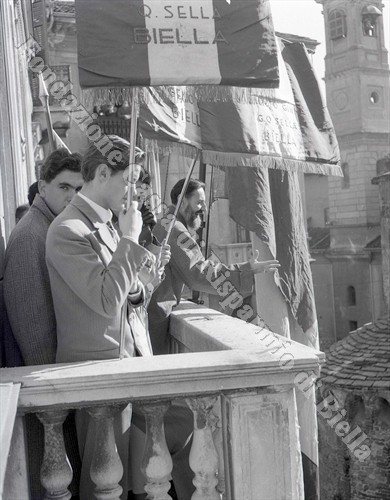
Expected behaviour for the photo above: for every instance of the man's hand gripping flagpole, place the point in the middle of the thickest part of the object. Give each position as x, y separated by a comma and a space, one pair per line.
130, 198
161, 260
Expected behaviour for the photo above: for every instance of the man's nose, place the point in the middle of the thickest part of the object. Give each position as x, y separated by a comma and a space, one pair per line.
71, 193
131, 192
204, 207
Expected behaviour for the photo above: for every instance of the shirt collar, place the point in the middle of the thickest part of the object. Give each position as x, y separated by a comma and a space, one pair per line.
104, 213
40, 204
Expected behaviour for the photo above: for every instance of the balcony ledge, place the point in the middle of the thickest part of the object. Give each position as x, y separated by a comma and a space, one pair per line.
242, 356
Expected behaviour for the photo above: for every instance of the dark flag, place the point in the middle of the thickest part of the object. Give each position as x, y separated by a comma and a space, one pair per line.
170, 118
288, 128
271, 207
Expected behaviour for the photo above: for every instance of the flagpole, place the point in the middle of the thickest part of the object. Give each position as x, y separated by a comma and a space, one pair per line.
200, 231
44, 98
211, 201
182, 194
133, 140
130, 192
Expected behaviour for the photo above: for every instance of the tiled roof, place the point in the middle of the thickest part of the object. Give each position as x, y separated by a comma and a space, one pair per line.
362, 359
310, 43
319, 238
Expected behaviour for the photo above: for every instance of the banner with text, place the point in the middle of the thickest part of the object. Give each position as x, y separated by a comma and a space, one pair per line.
288, 128
184, 42
170, 121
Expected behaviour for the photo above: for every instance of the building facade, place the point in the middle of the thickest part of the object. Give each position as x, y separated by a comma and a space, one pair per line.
347, 271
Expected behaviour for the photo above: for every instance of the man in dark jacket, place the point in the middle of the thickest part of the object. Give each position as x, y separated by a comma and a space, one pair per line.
30, 332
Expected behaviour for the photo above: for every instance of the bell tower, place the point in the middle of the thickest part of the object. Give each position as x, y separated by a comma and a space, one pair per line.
357, 81
357, 87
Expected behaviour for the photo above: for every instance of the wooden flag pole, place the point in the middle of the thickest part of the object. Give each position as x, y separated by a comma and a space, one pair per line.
130, 192
133, 140
44, 98
182, 194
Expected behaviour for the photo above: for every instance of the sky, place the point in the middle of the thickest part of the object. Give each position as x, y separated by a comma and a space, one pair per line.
304, 17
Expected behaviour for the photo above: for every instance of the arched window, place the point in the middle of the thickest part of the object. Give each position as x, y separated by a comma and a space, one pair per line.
351, 296
370, 14
383, 412
353, 325
356, 410
337, 24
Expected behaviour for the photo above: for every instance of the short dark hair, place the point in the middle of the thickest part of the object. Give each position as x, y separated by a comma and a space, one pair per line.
94, 157
193, 185
57, 161
145, 177
20, 211
32, 192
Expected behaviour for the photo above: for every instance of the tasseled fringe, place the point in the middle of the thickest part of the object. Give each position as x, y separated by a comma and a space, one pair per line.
220, 159
213, 93
207, 93
165, 147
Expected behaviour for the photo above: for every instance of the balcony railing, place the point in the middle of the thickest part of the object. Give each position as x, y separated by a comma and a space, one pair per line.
237, 379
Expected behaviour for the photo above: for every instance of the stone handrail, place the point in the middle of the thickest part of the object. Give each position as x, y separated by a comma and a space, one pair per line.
243, 374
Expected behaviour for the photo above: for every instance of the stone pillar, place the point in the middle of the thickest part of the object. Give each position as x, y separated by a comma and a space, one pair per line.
254, 424
204, 456
157, 462
383, 181
106, 466
56, 472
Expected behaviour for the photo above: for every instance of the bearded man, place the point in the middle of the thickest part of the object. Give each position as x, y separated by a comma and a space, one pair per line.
188, 266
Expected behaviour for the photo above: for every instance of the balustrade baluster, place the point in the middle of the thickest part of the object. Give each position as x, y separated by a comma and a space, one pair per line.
218, 443
157, 462
56, 472
106, 466
203, 455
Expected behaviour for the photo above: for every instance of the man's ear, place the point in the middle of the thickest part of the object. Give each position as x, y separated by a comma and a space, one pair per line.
41, 187
186, 200
184, 204
103, 172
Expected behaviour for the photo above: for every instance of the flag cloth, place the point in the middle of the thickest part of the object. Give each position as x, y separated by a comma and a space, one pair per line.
268, 202
170, 121
272, 208
125, 43
288, 128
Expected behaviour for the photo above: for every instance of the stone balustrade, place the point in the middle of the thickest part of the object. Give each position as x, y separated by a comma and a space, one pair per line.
239, 382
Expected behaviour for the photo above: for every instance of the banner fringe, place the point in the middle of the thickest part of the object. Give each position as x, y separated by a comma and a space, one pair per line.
207, 93
221, 159
165, 147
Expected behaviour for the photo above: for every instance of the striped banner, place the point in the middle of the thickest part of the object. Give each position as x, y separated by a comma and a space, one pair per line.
288, 128
125, 43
